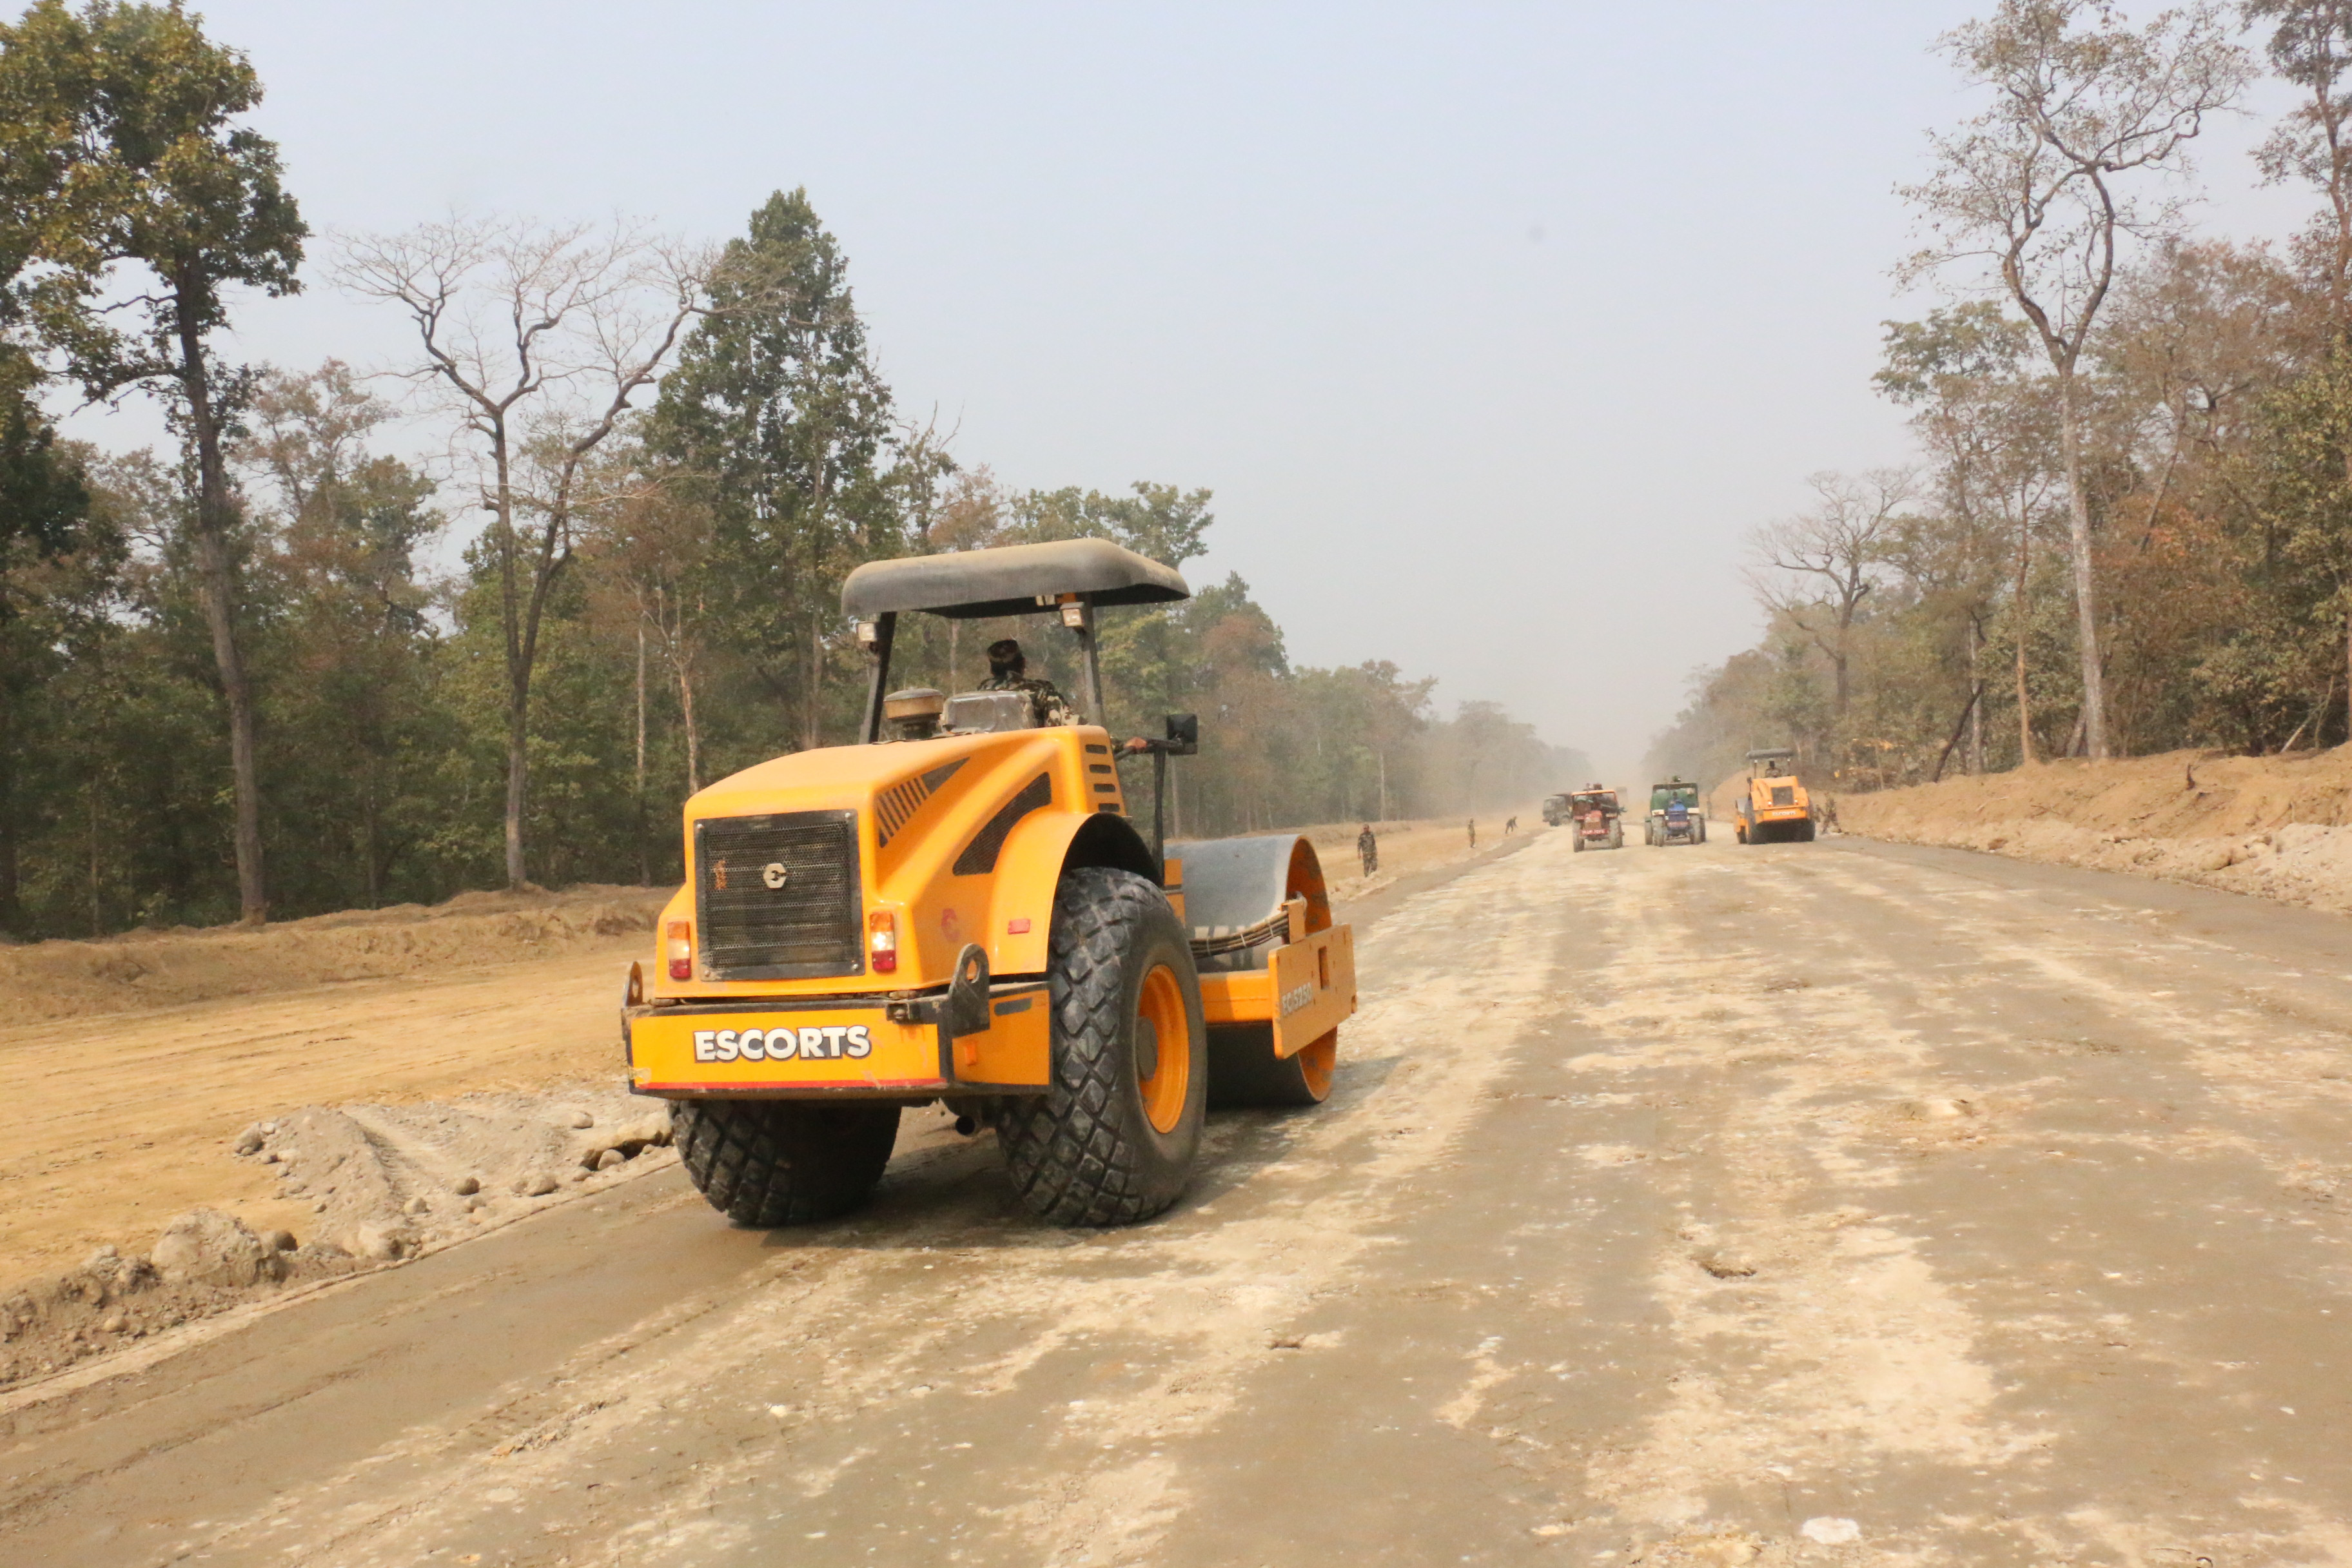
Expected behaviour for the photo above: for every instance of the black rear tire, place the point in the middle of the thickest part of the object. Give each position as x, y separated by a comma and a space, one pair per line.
765, 1162
1086, 1152
1244, 1070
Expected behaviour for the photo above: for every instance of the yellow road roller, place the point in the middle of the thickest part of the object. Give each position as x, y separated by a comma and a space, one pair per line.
1774, 808
961, 908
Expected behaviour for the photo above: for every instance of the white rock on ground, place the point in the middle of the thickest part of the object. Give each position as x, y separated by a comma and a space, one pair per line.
206, 1246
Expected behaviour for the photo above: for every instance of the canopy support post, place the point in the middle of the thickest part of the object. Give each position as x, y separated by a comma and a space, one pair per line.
1090, 684
877, 636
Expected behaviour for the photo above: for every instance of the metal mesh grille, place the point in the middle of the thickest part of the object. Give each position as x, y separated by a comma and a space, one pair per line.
1784, 795
778, 895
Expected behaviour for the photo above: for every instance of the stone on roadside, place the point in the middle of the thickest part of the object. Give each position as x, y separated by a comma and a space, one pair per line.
539, 1186
611, 1158
650, 1130
382, 1242
278, 1240
249, 1142
467, 1186
416, 1205
580, 1119
206, 1246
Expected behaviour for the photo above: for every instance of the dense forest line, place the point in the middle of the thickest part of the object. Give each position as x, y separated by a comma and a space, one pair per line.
232, 683
2130, 526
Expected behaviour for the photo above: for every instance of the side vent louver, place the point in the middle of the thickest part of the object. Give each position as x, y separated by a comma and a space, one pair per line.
894, 806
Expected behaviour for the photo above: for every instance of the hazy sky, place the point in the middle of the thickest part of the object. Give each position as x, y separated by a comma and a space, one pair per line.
1493, 328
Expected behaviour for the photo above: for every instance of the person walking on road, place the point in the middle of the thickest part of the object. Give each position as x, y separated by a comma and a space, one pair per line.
1510, 826
1473, 825
1368, 850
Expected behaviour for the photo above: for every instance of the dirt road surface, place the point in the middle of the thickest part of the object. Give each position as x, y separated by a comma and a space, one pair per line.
1837, 1202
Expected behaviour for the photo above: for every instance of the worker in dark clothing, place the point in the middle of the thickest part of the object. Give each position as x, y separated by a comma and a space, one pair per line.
1473, 825
1008, 670
1368, 850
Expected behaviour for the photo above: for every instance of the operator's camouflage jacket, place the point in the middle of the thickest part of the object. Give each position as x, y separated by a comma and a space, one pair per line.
1046, 701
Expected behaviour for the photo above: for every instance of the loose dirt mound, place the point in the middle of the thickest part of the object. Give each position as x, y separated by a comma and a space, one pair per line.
389, 1181
386, 1183
2275, 827
159, 969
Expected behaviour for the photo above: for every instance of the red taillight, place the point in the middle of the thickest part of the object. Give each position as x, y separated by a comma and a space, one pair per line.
680, 945
882, 941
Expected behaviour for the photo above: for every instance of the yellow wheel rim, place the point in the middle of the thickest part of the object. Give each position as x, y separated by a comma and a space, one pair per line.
1161, 1009
1315, 1063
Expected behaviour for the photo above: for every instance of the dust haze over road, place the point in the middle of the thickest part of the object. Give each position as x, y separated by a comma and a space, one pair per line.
1836, 1203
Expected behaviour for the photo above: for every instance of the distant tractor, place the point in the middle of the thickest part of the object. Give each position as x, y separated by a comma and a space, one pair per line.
1597, 819
1555, 810
1676, 816
959, 908
1775, 807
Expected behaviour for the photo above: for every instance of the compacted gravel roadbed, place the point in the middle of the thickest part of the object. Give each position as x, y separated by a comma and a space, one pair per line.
1830, 1202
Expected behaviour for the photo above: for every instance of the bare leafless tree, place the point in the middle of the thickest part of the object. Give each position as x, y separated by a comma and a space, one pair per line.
536, 340
1816, 568
2035, 190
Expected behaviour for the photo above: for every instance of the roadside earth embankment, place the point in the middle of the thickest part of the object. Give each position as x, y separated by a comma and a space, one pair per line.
202, 1118
145, 969
2272, 827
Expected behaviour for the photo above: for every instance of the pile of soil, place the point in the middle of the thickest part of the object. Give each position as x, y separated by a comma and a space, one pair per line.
386, 1183
2274, 827
113, 1300
143, 970
391, 1181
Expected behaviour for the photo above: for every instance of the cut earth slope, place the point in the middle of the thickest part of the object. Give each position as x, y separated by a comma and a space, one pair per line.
2272, 827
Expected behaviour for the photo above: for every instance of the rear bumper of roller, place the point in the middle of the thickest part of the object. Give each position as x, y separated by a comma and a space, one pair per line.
1306, 990
838, 1047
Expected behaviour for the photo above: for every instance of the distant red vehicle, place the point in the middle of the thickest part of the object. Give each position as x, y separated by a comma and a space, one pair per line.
1596, 813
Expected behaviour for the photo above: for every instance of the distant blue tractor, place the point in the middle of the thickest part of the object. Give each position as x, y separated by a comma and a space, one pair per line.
1675, 814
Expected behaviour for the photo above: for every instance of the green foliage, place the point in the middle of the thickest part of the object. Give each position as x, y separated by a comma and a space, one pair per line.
776, 406
120, 146
700, 632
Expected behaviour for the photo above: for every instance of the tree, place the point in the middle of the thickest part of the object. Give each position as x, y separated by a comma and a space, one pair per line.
776, 404
1986, 425
43, 502
2310, 48
351, 638
651, 537
537, 340
1816, 568
131, 112
2034, 187
2300, 493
